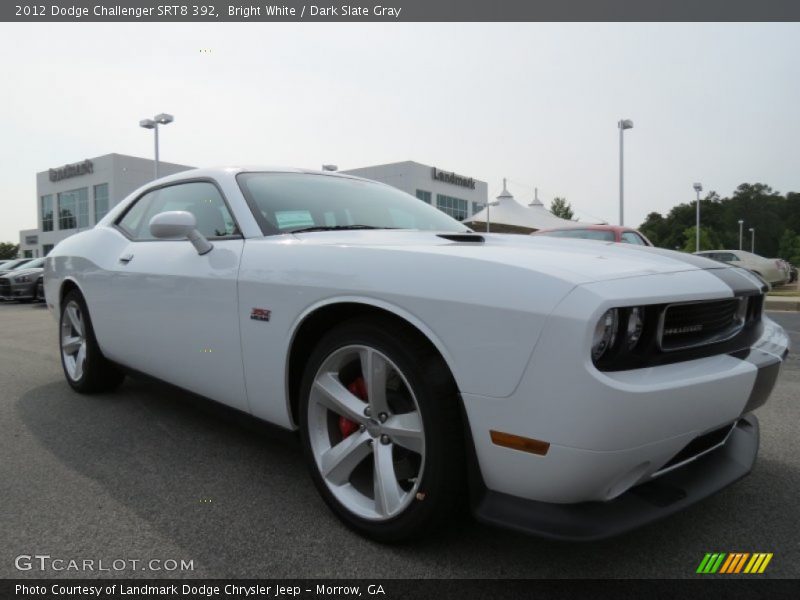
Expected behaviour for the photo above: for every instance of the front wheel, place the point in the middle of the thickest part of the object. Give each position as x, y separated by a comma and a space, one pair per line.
86, 369
381, 430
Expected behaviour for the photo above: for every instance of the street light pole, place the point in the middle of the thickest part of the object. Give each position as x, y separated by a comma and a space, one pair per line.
159, 119
753, 240
623, 125
155, 131
698, 188
740, 233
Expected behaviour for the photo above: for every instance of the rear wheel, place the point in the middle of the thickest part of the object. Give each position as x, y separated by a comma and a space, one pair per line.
381, 430
86, 369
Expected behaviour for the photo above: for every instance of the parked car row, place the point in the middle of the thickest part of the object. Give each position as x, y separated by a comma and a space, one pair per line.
21, 280
774, 271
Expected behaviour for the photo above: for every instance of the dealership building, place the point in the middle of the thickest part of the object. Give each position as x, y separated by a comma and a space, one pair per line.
457, 195
76, 196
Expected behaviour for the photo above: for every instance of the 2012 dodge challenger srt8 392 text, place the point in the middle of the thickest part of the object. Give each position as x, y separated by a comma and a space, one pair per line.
572, 389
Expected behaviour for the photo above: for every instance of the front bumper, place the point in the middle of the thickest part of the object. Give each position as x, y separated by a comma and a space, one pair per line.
17, 291
610, 432
640, 505
615, 438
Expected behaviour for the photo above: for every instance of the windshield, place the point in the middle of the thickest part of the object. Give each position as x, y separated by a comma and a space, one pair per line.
287, 202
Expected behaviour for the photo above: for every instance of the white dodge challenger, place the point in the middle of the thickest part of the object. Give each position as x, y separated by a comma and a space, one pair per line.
571, 389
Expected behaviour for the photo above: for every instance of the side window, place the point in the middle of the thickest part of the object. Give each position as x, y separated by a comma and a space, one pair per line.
132, 220
630, 237
200, 198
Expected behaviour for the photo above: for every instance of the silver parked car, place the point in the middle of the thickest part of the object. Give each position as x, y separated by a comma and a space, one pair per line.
768, 269
13, 264
20, 283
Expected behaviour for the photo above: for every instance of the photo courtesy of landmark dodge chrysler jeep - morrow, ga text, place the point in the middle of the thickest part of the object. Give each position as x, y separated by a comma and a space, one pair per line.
567, 388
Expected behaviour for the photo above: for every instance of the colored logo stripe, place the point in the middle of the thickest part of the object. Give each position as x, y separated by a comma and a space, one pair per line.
711, 562
721, 562
758, 563
735, 562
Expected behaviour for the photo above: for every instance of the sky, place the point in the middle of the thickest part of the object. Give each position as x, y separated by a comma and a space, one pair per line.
536, 103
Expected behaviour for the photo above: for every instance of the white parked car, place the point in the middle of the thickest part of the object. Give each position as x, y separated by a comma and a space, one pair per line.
769, 269
562, 387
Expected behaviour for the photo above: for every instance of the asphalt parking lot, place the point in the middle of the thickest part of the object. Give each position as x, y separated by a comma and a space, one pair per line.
151, 473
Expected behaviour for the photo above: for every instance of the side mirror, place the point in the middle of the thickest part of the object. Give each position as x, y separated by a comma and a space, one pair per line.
178, 225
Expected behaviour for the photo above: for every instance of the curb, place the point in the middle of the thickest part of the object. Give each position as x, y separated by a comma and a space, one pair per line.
779, 303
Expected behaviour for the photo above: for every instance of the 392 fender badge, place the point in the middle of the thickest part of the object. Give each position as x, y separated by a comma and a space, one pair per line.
260, 314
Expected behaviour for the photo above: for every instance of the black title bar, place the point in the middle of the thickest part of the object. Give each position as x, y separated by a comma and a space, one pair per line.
401, 10
397, 589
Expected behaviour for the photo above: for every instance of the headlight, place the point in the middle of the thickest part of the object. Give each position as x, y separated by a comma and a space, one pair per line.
605, 333
635, 325
22, 279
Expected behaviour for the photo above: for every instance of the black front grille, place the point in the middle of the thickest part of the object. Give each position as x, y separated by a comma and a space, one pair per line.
5, 287
700, 323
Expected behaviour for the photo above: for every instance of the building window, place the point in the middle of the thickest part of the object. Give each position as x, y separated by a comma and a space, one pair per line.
100, 201
424, 196
73, 209
46, 249
27, 254
455, 207
47, 212
477, 207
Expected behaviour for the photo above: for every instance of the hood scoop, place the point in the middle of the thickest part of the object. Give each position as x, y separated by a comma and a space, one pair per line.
462, 237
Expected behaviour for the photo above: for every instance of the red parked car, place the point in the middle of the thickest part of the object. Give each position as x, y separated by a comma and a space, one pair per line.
605, 233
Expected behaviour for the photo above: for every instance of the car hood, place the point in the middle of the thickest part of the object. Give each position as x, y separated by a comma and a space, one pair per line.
579, 261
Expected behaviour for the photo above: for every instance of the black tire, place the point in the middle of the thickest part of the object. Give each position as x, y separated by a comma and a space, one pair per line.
99, 374
442, 491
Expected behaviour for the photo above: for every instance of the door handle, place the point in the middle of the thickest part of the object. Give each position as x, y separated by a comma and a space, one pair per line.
126, 258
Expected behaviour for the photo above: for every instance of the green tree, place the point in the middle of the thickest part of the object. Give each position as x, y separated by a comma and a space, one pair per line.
757, 205
561, 208
789, 248
8, 250
708, 239
656, 229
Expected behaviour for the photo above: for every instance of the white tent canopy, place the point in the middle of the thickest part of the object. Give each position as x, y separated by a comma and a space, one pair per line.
507, 211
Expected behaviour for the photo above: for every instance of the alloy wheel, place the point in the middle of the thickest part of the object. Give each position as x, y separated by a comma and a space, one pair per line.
366, 432
73, 340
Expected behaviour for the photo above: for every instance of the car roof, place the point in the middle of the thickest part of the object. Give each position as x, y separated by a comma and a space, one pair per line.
593, 226
217, 172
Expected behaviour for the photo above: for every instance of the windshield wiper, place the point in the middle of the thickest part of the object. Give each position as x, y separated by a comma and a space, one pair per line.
335, 228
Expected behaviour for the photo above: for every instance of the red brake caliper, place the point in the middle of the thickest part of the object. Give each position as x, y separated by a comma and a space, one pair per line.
359, 389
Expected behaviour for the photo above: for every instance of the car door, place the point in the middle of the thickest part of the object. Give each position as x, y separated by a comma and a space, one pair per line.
175, 311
